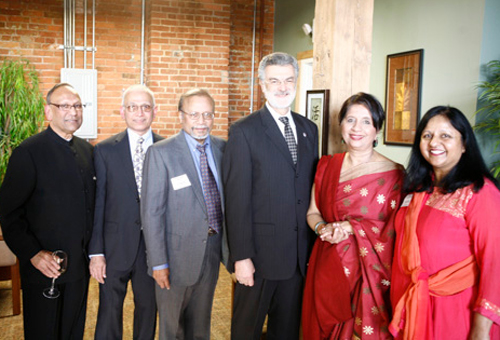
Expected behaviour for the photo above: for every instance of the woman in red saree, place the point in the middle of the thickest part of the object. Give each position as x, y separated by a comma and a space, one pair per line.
446, 261
354, 196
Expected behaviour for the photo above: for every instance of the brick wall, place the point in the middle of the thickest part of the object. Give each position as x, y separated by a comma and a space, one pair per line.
189, 47
202, 43
240, 60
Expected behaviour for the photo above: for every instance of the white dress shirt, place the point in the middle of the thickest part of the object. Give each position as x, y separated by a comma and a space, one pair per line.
281, 125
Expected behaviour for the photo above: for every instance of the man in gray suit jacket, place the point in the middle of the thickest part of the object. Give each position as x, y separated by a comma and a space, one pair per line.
117, 249
181, 212
268, 171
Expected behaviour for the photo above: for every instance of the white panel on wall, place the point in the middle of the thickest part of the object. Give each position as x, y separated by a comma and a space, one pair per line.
85, 83
305, 84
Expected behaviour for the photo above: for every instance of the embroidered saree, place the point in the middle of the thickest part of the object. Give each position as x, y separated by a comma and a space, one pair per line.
452, 269
347, 284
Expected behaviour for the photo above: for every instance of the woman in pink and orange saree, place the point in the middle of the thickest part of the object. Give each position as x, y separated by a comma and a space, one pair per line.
446, 261
354, 197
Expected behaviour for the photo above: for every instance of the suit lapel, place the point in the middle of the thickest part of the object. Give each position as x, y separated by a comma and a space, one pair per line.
217, 152
301, 138
274, 133
122, 146
186, 163
156, 138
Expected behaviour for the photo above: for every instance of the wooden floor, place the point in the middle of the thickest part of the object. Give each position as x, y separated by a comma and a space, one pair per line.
11, 327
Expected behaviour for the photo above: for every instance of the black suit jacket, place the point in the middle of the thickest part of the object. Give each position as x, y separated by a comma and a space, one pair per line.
117, 222
267, 196
47, 203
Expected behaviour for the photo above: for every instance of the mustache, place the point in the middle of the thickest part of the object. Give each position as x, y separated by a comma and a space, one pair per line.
282, 93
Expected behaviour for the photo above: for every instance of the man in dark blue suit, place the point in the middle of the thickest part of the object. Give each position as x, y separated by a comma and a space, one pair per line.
268, 170
117, 249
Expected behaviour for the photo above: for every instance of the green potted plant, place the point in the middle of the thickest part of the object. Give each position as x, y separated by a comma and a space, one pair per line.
488, 122
21, 106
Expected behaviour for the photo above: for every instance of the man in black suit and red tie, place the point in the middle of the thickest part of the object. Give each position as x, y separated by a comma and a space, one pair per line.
117, 248
47, 204
268, 171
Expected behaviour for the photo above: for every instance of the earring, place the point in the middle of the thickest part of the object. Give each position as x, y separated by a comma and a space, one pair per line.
375, 142
342, 141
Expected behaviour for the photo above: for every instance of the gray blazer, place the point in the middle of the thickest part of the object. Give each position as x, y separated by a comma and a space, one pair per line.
173, 212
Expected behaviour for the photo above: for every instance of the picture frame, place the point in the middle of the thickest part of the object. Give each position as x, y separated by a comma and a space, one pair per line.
402, 96
317, 110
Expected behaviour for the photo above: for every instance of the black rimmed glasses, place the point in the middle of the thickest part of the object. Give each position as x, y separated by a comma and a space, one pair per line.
67, 107
196, 115
144, 108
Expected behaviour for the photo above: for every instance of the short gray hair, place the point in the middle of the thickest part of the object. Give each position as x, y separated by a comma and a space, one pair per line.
138, 88
277, 58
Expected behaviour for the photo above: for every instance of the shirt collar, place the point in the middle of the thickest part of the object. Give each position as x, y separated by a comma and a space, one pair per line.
133, 136
193, 142
58, 137
276, 115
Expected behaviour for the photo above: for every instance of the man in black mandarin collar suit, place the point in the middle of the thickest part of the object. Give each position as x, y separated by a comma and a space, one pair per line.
47, 204
268, 171
117, 249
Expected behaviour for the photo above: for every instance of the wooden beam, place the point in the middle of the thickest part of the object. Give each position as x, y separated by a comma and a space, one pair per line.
342, 41
304, 54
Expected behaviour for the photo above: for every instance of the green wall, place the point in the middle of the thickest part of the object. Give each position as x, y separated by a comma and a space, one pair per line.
458, 38
289, 16
450, 32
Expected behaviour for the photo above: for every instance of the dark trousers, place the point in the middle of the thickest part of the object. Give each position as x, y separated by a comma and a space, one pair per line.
112, 294
185, 312
280, 300
55, 319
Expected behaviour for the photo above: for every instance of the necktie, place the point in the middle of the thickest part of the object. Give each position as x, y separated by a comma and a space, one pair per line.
138, 162
290, 139
210, 192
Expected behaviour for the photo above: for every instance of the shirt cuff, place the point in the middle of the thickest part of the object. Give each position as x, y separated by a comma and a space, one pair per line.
160, 267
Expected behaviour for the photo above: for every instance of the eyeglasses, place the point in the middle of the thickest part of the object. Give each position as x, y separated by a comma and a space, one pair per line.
276, 82
67, 107
145, 108
196, 115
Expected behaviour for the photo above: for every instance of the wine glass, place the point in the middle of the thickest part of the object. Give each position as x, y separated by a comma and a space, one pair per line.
62, 259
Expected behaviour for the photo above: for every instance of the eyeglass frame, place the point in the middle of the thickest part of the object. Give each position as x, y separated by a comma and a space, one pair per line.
67, 107
197, 115
142, 107
274, 82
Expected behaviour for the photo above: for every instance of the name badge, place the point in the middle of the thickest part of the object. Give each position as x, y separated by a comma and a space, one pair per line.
407, 200
180, 182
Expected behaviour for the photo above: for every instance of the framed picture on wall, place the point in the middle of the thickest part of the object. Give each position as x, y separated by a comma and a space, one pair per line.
317, 104
402, 96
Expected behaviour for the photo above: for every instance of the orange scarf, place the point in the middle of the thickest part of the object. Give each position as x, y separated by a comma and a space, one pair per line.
415, 301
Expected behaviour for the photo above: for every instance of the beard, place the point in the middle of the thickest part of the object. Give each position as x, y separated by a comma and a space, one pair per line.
277, 102
197, 136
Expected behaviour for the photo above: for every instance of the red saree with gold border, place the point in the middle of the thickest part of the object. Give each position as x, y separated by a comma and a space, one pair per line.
347, 284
